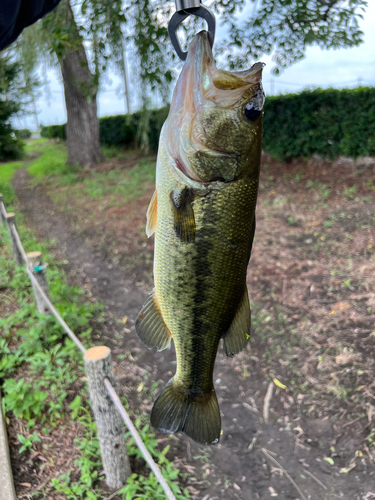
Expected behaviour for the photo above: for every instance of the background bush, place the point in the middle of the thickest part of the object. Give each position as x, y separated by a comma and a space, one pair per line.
117, 130
157, 120
23, 133
11, 147
327, 122
53, 132
120, 130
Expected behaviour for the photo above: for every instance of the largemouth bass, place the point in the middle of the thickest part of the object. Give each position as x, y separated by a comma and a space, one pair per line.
203, 216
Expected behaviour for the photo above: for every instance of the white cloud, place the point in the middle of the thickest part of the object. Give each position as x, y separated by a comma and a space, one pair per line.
325, 68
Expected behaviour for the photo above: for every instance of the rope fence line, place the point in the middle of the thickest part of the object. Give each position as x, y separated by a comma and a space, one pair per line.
129, 424
19, 243
55, 313
100, 377
3, 213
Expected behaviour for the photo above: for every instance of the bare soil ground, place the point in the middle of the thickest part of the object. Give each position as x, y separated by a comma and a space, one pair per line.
311, 281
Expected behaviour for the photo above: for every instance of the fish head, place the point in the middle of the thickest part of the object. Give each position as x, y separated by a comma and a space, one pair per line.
214, 127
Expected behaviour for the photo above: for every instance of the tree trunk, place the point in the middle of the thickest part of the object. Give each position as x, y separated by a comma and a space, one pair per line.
80, 88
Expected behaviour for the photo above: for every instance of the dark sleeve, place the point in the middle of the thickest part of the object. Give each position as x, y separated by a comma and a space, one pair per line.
15, 15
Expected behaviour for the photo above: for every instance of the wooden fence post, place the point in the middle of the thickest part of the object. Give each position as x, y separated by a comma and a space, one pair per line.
2, 216
35, 262
98, 365
11, 220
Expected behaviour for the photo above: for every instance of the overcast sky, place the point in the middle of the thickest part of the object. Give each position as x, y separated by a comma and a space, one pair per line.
336, 68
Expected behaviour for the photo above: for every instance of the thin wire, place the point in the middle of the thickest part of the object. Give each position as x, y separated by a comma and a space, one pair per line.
4, 212
116, 400
55, 313
133, 431
43, 294
18, 241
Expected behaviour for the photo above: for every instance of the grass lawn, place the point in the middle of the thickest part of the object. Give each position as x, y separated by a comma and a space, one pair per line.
311, 282
42, 379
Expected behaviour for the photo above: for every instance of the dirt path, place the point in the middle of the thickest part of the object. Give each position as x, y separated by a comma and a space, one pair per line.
110, 285
240, 467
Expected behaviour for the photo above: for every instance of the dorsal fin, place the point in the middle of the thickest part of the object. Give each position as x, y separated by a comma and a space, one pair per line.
152, 215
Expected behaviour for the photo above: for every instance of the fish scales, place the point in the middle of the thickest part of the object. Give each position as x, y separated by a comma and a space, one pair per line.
198, 283
203, 215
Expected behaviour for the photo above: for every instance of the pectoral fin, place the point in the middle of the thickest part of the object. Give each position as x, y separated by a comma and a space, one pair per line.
150, 326
183, 214
237, 336
152, 214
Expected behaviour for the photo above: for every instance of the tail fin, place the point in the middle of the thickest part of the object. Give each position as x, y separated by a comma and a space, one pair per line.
199, 418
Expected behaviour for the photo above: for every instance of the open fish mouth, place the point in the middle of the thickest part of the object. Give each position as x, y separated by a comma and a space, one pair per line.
202, 101
200, 78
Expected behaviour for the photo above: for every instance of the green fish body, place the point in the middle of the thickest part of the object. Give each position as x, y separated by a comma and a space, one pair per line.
203, 216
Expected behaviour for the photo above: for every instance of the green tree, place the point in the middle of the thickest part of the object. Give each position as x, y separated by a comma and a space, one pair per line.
29, 82
86, 37
285, 28
65, 42
12, 96
80, 40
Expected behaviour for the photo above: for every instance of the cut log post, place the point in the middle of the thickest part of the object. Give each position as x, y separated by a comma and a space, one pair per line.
98, 365
35, 263
2, 209
11, 221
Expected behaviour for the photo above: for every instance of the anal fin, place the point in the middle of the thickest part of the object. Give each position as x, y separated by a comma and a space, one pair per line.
150, 326
236, 338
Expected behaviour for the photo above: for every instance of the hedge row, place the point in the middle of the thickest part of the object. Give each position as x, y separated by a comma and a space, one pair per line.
121, 129
23, 133
53, 132
329, 123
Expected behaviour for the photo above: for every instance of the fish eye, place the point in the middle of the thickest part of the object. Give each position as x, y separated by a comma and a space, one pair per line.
251, 111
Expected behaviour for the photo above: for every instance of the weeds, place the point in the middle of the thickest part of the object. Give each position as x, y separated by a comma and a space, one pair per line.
322, 190
38, 344
292, 221
128, 185
6, 173
88, 463
41, 364
52, 159
329, 222
27, 442
115, 183
113, 152
23, 400
350, 193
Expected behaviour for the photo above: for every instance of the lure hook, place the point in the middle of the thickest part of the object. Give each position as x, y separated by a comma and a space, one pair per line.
184, 9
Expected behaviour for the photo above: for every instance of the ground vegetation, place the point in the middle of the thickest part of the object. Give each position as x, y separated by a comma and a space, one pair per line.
298, 402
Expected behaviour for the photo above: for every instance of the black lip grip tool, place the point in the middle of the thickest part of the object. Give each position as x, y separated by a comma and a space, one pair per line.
184, 9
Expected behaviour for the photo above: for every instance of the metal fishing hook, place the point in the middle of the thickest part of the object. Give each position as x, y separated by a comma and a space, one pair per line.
184, 9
